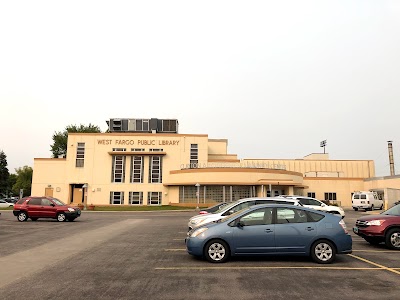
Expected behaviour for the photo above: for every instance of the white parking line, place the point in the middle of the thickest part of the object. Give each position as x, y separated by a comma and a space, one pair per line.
266, 268
383, 251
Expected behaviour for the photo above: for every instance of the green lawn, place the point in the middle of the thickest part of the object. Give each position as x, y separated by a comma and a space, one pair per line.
141, 208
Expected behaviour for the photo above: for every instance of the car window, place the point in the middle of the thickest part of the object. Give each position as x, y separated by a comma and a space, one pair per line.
240, 207
35, 201
356, 196
2, 201
314, 217
46, 202
290, 215
314, 202
21, 201
257, 217
285, 202
304, 201
363, 197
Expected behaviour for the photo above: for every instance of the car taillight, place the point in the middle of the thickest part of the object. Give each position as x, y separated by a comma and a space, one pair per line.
368, 202
202, 212
343, 224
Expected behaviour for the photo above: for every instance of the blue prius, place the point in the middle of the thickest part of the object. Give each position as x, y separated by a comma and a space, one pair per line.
272, 229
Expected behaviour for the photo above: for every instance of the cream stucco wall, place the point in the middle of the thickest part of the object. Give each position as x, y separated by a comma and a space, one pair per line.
315, 173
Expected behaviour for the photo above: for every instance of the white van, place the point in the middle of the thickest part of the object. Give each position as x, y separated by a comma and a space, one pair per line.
366, 200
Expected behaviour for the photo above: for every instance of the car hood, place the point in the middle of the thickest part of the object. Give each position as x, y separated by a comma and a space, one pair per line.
378, 217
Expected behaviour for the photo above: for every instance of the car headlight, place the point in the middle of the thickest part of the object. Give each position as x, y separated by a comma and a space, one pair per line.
197, 221
375, 222
198, 231
71, 209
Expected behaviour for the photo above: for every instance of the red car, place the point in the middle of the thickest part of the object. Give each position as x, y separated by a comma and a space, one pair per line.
44, 207
384, 227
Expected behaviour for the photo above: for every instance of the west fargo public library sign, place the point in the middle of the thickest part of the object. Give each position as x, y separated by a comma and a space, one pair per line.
138, 142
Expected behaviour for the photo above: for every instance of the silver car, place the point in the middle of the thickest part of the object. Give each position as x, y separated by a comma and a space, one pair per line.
237, 206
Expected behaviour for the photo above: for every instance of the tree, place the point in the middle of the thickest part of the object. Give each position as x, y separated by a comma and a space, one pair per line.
11, 181
4, 174
24, 180
60, 139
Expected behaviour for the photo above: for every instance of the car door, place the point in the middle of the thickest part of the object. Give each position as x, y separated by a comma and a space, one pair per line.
253, 233
34, 207
48, 208
293, 232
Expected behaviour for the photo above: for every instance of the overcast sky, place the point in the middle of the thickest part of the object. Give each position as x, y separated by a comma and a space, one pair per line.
273, 77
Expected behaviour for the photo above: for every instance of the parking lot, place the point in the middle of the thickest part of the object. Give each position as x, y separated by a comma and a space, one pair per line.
141, 255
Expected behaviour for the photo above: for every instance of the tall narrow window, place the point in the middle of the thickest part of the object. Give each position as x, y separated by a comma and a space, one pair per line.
155, 170
118, 168
80, 155
311, 194
194, 155
136, 198
137, 169
154, 198
117, 198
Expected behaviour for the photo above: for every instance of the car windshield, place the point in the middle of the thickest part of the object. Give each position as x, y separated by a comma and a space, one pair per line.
394, 211
225, 207
58, 202
232, 216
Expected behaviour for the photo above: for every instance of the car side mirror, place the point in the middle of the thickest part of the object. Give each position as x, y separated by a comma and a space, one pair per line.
323, 204
240, 224
52, 204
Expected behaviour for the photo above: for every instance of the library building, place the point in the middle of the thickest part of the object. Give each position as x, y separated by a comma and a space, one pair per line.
147, 162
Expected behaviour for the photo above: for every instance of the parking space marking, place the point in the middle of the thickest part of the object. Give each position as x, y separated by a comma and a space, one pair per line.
180, 249
181, 239
375, 264
267, 268
383, 251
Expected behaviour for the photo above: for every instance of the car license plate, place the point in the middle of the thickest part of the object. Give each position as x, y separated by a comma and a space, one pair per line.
363, 202
355, 229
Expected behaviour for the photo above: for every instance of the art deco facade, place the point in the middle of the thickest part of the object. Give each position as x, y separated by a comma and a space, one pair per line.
147, 162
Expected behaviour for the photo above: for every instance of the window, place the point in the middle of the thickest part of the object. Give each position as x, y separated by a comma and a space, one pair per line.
290, 215
137, 165
314, 202
314, 217
156, 150
119, 149
47, 202
311, 194
169, 126
117, 198
239, 207
142, 125
257, 217
80, 155
137, 149
154, 198
118, 168
35, 201
136, 198
194, 156
330, 196
155, 169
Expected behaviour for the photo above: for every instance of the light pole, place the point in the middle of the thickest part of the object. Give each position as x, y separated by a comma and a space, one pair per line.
197, 185
84, 187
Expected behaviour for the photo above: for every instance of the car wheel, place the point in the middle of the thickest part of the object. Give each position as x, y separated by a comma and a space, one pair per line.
61, 217
392, 239
373, 241
71, 219
380, 208
22, 216
355, 208
34, 219
323, 252
217, 251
